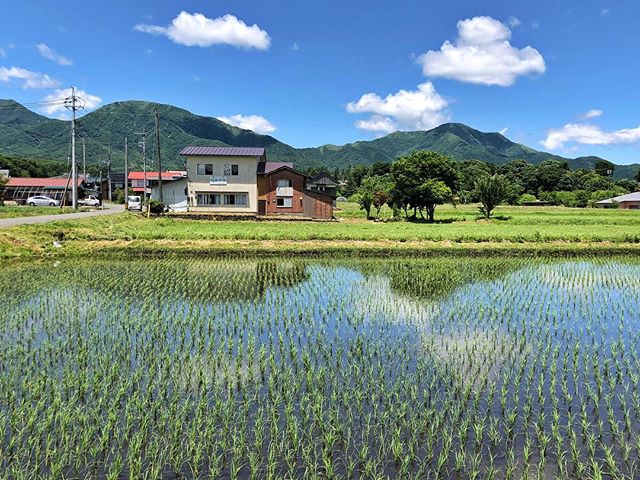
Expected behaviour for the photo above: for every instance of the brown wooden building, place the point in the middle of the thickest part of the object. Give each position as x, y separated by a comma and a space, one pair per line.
282, 190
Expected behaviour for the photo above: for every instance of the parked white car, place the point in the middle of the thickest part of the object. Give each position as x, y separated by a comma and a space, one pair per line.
42, 201
134, 202
90, 201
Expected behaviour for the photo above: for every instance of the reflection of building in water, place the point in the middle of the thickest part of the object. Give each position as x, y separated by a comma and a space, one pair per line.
278, 274
246, 280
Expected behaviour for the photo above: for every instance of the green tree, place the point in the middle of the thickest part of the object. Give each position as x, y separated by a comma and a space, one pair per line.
637, 176
3, 184
434, 192
415, 181
549, 174
604, 167
491, 191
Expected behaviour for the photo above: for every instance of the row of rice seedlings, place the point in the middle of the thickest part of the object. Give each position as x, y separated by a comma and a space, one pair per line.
245, 369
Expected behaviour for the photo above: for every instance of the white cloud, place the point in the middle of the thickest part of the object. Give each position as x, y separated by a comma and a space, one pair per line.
589, 135
591, 114
89, 101
197, 30
604, 11
514, 22
482, 54
27, 78
50, 54
295, 47
256, 123
3, 53
504, 131
419, 109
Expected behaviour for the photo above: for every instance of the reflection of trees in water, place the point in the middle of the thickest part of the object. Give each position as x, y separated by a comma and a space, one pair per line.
159, 280
435, 278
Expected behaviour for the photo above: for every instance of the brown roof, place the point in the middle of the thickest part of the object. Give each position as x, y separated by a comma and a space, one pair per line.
224, 151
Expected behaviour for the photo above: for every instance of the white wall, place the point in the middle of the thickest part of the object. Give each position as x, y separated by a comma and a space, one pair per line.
173, 194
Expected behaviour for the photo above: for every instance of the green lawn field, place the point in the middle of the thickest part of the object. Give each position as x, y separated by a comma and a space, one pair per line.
455, 227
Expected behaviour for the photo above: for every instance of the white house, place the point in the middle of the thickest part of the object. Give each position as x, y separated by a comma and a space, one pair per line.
223, 179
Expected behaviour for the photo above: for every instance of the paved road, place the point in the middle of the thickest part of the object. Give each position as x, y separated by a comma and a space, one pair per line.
109, 209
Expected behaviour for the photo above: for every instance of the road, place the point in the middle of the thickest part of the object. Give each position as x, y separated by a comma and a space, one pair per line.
109, 209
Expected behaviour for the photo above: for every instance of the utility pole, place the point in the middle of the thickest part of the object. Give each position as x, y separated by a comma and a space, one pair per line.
143, 143
84, 161
126, 173
73, 103
109, 174
158, 154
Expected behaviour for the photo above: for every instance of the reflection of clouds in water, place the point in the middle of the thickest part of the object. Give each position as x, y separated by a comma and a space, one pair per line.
581, 276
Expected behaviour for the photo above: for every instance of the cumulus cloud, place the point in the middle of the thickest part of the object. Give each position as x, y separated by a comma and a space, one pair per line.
194, 29
482, 54
419, 109
589, 135
591, 114
89, 101
256, 123
27, 78
504, 131
50, 54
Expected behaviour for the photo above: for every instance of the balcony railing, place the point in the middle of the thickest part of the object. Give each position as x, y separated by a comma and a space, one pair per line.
284, 191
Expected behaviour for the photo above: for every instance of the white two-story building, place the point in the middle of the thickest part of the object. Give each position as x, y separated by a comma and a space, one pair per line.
223, 179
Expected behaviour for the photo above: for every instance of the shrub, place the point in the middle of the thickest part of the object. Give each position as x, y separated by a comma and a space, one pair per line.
155, 206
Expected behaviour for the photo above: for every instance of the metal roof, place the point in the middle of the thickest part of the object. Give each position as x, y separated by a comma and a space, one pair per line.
55, 182
224, 151
630, 197
324, 179
168, 175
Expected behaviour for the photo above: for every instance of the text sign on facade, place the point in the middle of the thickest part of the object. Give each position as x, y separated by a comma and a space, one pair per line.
218, 180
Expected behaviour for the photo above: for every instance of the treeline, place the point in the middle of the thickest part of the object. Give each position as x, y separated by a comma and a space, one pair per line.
416, 183
19, 167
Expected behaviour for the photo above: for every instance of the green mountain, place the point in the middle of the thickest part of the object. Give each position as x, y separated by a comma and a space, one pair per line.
26, 134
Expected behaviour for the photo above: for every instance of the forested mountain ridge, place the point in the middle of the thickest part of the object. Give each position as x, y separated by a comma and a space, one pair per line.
26, 134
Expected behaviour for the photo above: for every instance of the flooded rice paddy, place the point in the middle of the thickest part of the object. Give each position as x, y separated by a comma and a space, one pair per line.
402, 368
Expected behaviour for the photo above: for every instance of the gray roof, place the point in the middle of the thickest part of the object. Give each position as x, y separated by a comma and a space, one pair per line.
629, 197
324, 179
224, 151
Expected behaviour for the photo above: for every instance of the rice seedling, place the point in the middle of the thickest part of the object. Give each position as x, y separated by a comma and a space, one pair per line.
320, 368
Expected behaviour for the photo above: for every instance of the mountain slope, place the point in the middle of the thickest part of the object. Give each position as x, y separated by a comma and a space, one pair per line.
26, 134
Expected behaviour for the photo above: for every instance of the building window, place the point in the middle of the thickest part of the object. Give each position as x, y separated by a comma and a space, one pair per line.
284, 202
208, 199
230, 169
284, 182
235, 199
204, 169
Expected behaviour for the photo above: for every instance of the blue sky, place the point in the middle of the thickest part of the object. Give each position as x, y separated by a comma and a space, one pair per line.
559, 76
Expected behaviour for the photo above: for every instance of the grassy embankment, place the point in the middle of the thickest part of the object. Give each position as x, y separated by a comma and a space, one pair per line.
517, 230
25, 211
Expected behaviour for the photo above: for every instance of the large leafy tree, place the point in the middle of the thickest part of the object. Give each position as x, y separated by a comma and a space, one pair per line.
422, 180
637, 177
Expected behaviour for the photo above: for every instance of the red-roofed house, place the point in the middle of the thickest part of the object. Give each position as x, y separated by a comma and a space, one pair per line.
137, 179
18, 189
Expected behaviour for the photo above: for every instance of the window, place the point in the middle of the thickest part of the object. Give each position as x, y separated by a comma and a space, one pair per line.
284, 182
236, 199
284, 202
230, 169
204, 169
208, 199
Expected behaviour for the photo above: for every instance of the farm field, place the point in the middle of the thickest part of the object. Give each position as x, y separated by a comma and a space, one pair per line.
320, 368
514, 227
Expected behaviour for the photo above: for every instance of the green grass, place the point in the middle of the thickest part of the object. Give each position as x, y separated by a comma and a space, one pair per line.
25, 211
539, 226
